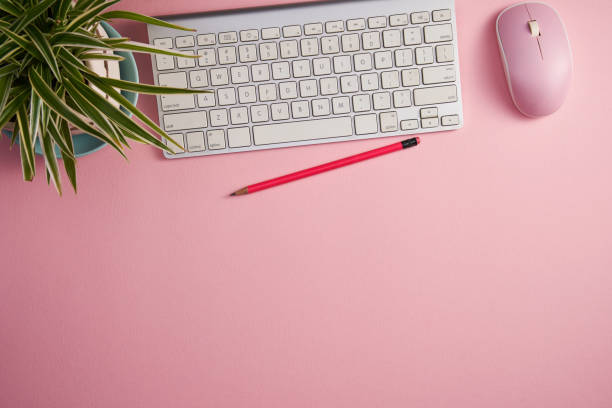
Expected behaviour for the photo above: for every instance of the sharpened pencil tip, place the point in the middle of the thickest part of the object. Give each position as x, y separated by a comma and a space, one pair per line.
232, 195
240, 192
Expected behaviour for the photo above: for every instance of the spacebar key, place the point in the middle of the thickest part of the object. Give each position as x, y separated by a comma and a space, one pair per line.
302, 131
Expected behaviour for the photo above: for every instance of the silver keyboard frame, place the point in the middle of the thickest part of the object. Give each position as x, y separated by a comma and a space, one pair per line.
300, 14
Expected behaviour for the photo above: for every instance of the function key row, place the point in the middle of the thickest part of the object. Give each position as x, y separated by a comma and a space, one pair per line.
291, 31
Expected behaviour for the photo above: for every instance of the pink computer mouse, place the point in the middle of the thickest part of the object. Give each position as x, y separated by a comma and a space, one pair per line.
536, 55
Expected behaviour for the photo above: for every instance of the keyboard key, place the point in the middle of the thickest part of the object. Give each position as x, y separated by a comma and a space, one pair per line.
267, 93
430, 123
302, 130
411, 77
371, 40
219, 76
334, 26
228, 37
206, 39
369, 82
401, 99
177, 102
409, 124
292, 31
218, 117
174, 80
240, 75
349, 84
270, 33
280, 111
366, 124
308, 88
390, 79
207, 57
341, 105
330, 45
398, 20
185, 41
268, 51
183, 121
363, 62
216, 139
227, 55
163, 43
280, 70
350, 42
445, 53
392, 38
320, 107
356, 24
388, 122
361, 103
249, 35
438, 33
206, 100
288, 90
239, 137
383, 60
441, 15
300, 109
247, 53
424, 55
432, 96
301, 68
289, 49
377, 22
382, 100
450, 120
195, 141
247, 94
309, 46
259, 113
178, 138
321, 66
438, 74
226, 96
329, 86
420, 17
427, 113
403, 58
260, 72
183, 63
342, 64
313, 29
198, 79
164, 62
412, 36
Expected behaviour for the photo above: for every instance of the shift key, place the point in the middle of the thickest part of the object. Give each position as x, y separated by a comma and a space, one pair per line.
432, 96
183, 121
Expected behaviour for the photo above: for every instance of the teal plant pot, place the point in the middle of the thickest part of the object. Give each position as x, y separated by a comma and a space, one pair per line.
85, 144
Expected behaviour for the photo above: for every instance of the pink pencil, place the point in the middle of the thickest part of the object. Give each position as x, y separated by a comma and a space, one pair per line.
328, 166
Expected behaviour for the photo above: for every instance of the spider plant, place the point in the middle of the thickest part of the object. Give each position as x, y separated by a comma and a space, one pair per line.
46, 86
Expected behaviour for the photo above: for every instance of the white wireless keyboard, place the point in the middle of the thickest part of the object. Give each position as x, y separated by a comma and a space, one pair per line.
311, 73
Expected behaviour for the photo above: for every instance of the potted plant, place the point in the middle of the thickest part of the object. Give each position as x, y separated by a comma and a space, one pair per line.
66, 77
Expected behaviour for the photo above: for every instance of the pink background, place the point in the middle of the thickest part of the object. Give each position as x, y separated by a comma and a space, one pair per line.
472, 271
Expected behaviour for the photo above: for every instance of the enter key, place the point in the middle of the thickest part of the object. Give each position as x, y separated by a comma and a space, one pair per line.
439, 74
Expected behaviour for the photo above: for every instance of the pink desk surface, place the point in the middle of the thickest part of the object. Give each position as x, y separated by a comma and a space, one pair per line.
473, 271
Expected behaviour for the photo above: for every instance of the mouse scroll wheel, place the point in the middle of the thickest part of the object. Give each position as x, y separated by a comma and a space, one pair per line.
534, 28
